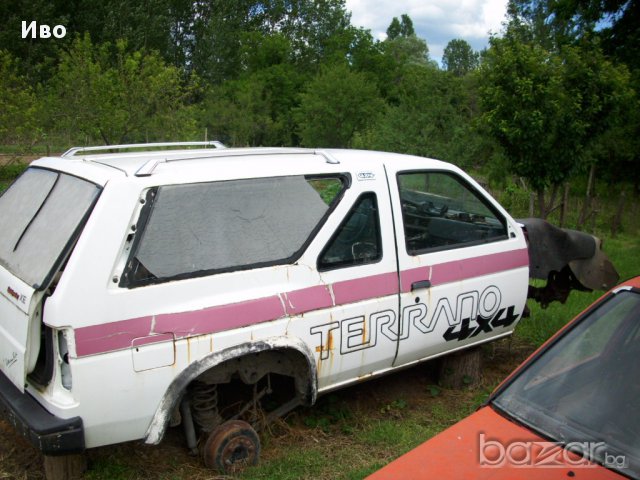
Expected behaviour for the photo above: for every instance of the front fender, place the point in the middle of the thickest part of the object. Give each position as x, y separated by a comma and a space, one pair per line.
176, 389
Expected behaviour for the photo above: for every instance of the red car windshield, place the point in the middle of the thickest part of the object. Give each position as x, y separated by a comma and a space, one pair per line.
584, 390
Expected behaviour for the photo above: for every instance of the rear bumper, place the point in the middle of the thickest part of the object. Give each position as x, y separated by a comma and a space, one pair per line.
48, 433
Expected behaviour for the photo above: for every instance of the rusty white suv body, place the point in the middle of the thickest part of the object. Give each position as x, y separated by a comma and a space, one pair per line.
140, 284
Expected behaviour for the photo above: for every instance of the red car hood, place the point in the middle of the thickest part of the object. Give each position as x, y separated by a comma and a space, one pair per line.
456, 453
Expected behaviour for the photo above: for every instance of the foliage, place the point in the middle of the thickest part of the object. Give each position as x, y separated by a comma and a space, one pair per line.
525, 109
255, 109
103, 92
401, 28
459, 58
545, 107
550, 100
18, 105
616, 22
432, 118
335, 105
221, 29
36, 57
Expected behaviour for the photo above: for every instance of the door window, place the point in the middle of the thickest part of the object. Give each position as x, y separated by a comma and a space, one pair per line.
441, 211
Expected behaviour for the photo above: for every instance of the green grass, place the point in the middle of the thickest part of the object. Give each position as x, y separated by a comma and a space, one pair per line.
371, 442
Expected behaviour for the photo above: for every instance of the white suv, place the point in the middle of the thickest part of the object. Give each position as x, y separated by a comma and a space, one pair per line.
200, 286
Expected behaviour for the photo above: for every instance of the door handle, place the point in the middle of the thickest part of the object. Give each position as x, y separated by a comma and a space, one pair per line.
420, 284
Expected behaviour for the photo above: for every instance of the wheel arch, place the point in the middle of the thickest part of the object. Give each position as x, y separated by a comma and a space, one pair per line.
176, 389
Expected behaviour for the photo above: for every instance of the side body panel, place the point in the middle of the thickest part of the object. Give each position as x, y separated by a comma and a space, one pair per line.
460, 295
128, 345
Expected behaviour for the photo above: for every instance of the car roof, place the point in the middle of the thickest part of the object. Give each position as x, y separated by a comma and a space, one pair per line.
632, 282
146, 163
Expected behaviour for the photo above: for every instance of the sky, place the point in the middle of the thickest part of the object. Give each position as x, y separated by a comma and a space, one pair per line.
436, 21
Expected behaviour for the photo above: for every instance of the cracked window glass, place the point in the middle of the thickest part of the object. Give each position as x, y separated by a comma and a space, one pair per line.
203, 228
40, 216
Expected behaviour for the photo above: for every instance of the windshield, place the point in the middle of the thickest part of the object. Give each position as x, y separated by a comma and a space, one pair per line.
40, 215
585, 389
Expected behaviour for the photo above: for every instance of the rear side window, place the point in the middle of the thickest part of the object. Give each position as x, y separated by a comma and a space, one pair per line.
357, 240
199, 229
41, 215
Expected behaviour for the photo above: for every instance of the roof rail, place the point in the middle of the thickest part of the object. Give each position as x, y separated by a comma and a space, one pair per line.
72, 151
327, 156
148, 168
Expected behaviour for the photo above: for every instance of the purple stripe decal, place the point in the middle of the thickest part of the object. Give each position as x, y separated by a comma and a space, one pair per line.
414, 275
464, 269
360, 289
307, 299
111, 336
119, 335
223, 317
156, 338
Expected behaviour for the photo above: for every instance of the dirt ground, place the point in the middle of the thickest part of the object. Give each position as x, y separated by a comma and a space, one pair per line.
303, 428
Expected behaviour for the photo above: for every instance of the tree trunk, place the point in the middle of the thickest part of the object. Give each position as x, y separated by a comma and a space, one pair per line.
617, 219
565, 205
461, 369
542, 206
66, 467
588, 198
532, 201
551, 206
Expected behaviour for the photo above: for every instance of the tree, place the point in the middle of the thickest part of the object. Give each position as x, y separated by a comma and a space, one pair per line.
222, 28
545, 107
400, 28
335, 105
255, 109
144, 24
432, 116
402, 45
459, 58
407, 50
394, 30
36, 55
103, 92
18, 106
615, 22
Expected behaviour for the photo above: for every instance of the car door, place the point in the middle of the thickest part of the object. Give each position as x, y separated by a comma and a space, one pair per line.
463, 264
354, 254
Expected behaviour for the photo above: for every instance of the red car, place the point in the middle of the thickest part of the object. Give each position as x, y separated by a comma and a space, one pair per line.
571, 410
